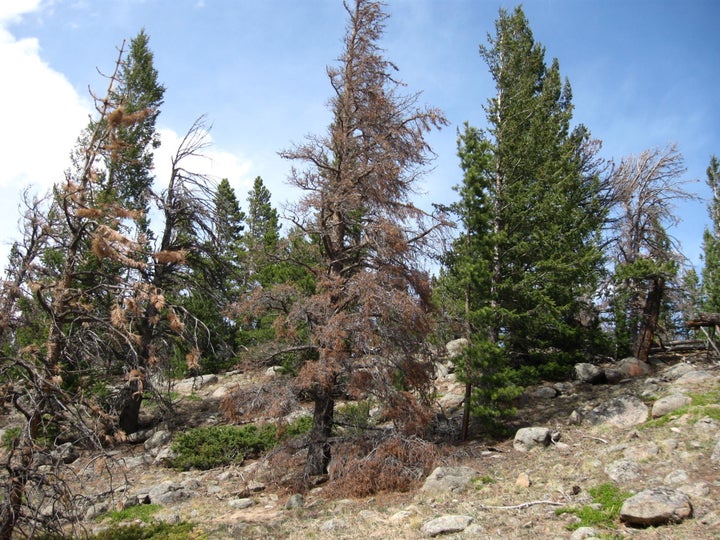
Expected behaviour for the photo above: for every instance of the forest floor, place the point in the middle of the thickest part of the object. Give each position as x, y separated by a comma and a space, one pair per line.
515, 495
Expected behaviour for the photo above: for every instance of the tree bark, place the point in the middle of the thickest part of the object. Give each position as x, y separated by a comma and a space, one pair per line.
649, 319
131, 401
319, 453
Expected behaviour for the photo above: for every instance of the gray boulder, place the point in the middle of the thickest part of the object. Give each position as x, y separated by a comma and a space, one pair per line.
589, 373
456, 347
667, 404
623, 470
624, 411
544, 392
531, 437
695, 378
449, 479
158, 439
241, 503
166, 492
656, 506
676, 371
446, 524
632, 367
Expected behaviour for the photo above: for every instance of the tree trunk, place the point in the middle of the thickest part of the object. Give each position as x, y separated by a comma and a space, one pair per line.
649, 319
130, 406
466, 412
468, 385
318, 457
11, 510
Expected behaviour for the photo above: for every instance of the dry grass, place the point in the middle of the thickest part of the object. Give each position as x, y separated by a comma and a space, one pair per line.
372, 490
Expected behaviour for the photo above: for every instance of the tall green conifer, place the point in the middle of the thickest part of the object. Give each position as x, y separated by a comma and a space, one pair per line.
532, 209
711, 244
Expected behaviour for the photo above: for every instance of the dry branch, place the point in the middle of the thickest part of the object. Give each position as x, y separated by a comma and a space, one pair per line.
708, 320
520, 506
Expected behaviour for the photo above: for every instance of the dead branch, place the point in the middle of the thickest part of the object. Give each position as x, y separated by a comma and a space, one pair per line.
521, 506
595, 439
708, 320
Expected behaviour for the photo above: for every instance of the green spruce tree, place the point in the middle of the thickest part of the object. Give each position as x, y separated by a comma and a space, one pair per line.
544, 206
711, 244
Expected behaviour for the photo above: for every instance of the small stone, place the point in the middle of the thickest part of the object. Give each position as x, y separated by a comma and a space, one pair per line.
241, 503
158, 439
582, 533
623, 470
295, 501
523, 480
676, 478
544, 392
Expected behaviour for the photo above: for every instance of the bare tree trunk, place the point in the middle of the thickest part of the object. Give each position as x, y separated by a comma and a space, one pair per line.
649, 320
468, 374
131, 401
319, 454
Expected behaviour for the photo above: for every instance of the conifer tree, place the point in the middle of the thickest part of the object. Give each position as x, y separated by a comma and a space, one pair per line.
711, 244
79, 223
216, 279
367, 318
262, 237
131, 154
646, 258
532, 203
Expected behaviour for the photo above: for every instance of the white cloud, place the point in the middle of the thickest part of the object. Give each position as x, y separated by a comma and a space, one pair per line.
11, 10
43, 115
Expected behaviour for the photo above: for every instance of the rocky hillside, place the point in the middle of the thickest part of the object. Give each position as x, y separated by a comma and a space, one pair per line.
622, 452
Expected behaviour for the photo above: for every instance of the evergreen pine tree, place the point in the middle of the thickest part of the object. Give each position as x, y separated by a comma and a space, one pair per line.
544, 205
711, 244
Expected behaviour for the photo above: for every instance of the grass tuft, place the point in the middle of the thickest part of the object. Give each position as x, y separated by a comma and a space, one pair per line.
605, 510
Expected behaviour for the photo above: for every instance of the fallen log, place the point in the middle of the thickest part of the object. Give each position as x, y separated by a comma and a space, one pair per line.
701, 320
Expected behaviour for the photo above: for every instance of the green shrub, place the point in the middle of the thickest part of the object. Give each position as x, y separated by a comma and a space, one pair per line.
154, 531
607, 499
216, 446
354, 417
10, 437
300, 426
142, 512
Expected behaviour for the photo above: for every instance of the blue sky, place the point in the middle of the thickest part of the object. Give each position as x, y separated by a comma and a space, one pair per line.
644, 74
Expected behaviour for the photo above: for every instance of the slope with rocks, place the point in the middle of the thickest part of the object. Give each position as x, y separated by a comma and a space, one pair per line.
656, 434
